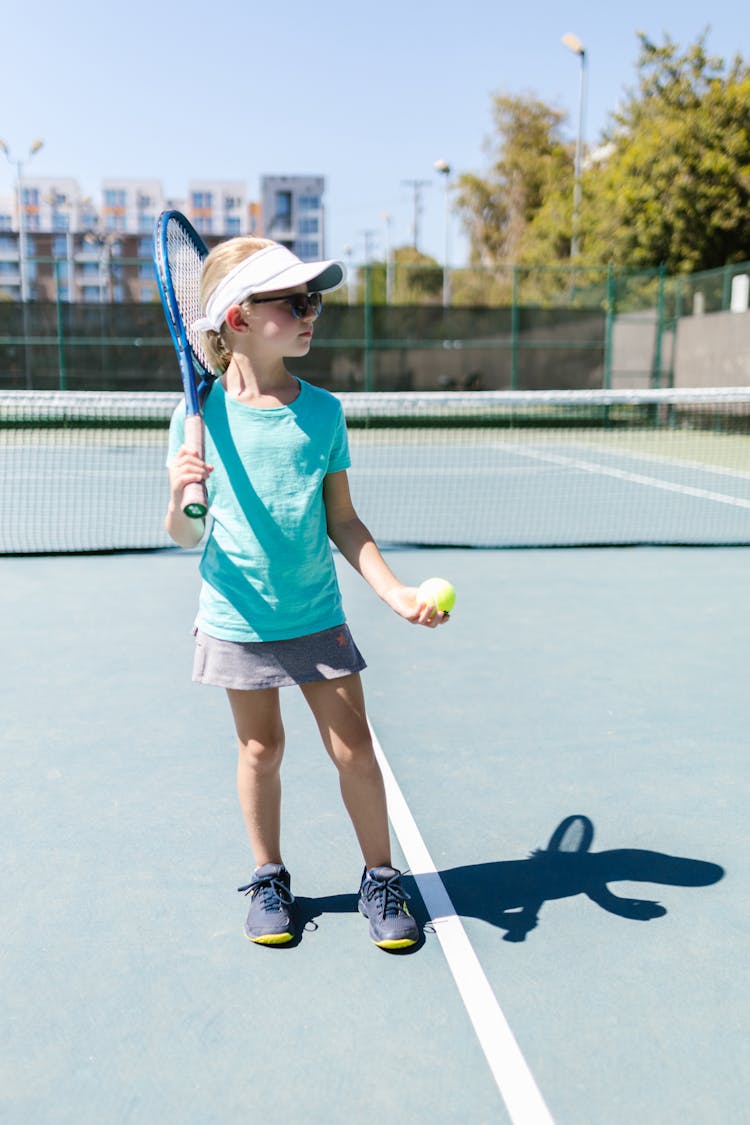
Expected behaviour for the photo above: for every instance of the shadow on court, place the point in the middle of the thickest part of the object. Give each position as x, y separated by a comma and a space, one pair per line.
510, 894
308, 910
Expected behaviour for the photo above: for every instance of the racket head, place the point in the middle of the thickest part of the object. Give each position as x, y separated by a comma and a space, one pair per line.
179, 253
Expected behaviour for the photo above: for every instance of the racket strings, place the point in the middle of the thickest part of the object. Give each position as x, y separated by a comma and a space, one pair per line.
185, 265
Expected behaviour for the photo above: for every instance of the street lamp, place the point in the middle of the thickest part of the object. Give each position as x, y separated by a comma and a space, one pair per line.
574, 44
444, 168
18, 165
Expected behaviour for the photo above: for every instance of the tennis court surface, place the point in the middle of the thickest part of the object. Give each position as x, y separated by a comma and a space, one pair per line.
607, 686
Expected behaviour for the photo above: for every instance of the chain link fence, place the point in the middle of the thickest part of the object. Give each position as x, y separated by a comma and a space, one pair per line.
519, 328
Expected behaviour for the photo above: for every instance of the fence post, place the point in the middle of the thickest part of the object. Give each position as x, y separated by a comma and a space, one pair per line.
656, 365
368, 327
675, 328
61, 372
514, 331
609, 324
726, 288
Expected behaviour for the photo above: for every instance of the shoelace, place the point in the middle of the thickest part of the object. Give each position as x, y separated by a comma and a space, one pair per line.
274, 892
389, 892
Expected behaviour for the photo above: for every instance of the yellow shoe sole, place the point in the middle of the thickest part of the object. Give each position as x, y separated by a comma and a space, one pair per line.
401, 943
271, 939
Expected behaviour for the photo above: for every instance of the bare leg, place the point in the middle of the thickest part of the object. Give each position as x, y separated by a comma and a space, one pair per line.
339, 710
260, 737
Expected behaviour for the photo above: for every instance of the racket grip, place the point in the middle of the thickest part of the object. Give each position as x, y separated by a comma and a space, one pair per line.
194, 499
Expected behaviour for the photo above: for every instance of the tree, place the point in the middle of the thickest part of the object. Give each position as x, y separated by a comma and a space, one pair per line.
417, 279
528, 159
669, 184
673, 188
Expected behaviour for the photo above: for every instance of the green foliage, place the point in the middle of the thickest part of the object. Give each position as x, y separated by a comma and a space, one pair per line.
670, 186
417, 279
528, 158
481, 287
416, 276
675, 189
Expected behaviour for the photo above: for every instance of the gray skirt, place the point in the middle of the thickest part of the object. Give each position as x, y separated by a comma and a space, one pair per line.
254, 665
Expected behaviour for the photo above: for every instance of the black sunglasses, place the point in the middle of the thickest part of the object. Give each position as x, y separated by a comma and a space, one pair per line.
300, 304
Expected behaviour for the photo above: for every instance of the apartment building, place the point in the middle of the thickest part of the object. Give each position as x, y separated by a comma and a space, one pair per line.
67, 247
292, 211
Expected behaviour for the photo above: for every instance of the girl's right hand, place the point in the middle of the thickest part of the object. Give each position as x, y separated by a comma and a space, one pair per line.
187, 468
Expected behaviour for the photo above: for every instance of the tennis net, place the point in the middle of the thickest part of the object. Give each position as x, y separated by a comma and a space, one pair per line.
84, 471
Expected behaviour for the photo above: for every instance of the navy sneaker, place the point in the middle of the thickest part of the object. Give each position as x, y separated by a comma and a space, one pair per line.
269, 919
382, 900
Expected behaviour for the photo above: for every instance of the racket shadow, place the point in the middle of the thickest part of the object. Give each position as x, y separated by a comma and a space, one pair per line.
510, 894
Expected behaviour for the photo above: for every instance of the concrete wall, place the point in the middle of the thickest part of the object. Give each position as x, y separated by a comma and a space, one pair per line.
711, 350
633, 344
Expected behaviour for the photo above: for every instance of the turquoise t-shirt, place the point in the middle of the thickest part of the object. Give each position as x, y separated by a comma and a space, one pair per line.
267, 566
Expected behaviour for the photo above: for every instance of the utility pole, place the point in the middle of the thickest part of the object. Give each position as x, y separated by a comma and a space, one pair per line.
416, 186
368, 236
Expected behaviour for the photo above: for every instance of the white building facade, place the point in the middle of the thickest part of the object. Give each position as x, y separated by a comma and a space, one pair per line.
293, 214
64, 246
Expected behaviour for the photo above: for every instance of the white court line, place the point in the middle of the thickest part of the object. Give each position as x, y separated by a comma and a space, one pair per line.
514, 1080
636, 478
665, 459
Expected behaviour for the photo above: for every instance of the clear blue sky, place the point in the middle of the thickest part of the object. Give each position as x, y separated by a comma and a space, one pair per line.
368, 95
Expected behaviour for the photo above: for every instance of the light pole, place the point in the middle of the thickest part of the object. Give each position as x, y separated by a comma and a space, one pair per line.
574, 44
18, 165
444, 168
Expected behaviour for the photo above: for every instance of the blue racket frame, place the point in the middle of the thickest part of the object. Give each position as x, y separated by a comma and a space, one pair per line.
196, 378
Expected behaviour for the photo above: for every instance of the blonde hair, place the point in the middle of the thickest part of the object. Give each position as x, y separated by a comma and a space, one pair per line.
217, 265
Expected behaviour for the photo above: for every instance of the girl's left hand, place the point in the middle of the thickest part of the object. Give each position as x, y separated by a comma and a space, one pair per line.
404, 601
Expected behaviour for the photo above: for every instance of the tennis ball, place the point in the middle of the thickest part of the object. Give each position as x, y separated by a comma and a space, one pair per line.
437, 592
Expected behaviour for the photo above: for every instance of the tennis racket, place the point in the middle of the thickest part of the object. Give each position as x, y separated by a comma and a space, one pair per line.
179, 252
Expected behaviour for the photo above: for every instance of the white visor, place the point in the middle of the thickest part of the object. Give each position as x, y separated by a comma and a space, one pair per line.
270, 269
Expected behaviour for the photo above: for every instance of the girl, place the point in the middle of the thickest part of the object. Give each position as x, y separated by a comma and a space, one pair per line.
270, 611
